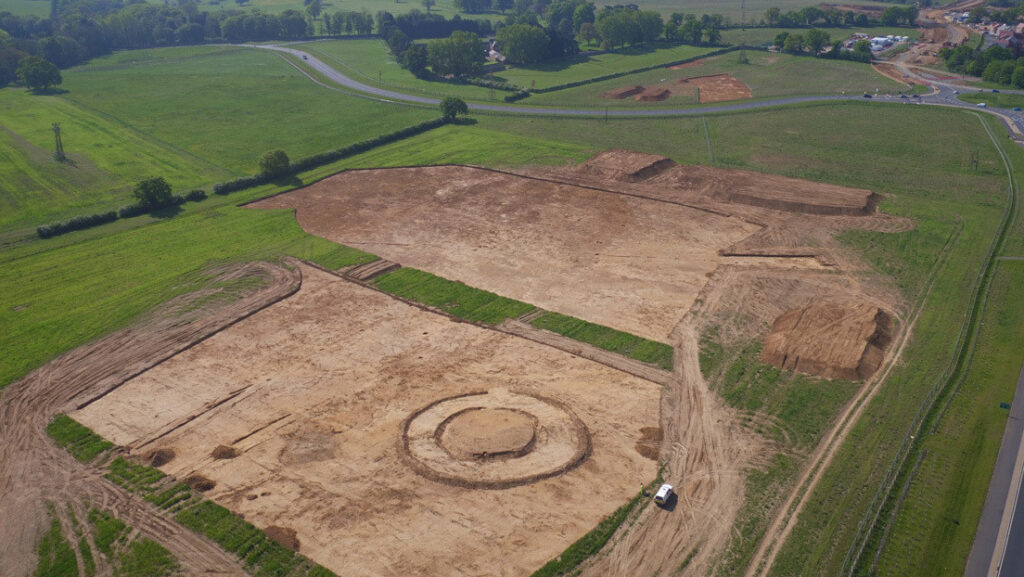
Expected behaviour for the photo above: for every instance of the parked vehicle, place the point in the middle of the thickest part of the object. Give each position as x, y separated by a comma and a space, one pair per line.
664, 494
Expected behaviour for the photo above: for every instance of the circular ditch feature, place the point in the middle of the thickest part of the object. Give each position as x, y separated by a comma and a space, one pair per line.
493, 439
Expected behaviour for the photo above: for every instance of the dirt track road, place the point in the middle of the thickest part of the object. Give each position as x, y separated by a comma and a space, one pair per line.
34, 471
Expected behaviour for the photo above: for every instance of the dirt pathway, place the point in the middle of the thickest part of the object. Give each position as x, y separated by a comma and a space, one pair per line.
34, 471
704, 453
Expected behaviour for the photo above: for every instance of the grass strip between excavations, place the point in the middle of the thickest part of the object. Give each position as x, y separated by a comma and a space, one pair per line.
261, 556
606, 338
452, 297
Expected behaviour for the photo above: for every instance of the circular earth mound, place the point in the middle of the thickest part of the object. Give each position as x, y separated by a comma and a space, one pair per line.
494, 439
486, 433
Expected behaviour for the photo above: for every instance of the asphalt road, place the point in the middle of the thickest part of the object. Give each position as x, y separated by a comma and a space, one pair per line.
998, 549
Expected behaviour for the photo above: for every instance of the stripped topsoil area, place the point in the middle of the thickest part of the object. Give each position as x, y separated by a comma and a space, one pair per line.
629, 263
311, 396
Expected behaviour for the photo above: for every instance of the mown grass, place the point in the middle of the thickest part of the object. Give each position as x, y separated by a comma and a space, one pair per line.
76, 439
606, 338
452, 297
998, 99
585, 67
136, 478
138, 557
106, 159
820, 541
147, 90
937, 521
769, 75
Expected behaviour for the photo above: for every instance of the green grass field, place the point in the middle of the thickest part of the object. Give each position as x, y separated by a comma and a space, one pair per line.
736, 10
769, 75
586, 67
998, 99
454, 298
240, 102
608, 339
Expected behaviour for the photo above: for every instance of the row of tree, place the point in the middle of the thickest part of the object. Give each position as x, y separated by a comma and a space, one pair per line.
833, 18
996, 64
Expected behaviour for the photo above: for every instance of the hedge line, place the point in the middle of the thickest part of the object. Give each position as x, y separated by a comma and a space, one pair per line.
330, 156
127, 211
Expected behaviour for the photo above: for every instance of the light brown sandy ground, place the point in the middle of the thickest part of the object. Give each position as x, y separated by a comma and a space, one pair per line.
341, 366
628, 263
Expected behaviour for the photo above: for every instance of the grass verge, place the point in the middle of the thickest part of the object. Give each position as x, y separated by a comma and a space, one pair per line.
608, 339
452, 297
76, 439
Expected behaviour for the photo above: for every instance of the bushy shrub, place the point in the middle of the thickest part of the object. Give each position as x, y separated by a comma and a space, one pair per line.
76, 223
195, 195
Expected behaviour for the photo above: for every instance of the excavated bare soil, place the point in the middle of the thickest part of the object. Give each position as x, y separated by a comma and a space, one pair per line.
624, 92
315, 392
830, 340
718, 87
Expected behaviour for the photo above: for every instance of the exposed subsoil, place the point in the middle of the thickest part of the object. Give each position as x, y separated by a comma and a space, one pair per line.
320, 388
34, 471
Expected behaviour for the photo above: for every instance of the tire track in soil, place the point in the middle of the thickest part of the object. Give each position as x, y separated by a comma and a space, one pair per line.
34, 471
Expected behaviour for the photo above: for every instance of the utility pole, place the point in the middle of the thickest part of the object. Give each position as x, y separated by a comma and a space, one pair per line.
59, 154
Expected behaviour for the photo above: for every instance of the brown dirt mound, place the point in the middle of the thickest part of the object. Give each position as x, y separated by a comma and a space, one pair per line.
719, 87
625, 165
623, 92
830, 340
160, 457
200, 483
649, 444
488, 433
224, 452
653, 94
283, 536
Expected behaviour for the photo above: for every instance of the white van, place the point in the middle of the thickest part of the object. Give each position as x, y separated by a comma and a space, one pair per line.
664, 494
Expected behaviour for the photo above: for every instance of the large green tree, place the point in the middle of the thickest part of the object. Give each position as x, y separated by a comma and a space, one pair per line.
453, 106
38, 74
274, 163
461, 53
522, 43
153, 193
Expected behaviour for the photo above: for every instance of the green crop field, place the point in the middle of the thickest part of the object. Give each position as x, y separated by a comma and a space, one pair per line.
736, 10
769, 75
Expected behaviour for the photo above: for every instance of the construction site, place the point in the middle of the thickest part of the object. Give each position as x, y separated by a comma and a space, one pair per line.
377, 436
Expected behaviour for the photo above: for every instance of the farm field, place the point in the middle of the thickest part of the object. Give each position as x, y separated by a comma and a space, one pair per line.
768, 75
148, 89
764, 254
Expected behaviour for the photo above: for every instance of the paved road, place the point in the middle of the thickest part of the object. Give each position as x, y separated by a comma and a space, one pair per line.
999, 544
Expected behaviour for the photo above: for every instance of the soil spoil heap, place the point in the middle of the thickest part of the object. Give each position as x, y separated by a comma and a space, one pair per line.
830, 340
626, 166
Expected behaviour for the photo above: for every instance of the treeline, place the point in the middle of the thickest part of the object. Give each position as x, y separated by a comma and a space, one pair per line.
813, 16
996, 64
814, 42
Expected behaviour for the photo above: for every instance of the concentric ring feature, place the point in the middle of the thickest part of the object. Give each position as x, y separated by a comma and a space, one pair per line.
494, 439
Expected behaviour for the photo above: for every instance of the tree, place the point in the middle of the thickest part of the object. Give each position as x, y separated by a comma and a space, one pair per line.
274, 163
772, 15
38, 74
415, 60
428, 4
651, 25
461, 53
522, 44
452, 106
588, 33
794, 43
816, 40
153, 193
